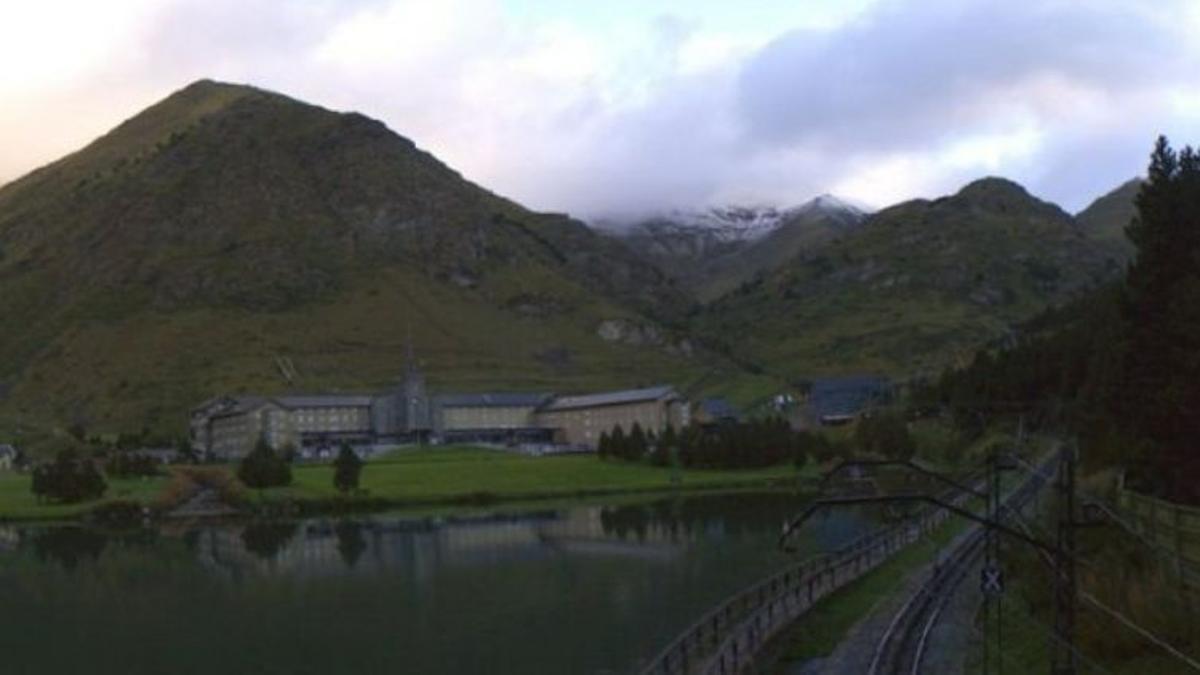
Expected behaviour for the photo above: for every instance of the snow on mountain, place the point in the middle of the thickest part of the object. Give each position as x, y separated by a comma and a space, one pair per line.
729, 224
833, 203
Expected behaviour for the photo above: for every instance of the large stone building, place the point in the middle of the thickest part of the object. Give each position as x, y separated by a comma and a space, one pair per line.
579, 420
229, 427
507, 417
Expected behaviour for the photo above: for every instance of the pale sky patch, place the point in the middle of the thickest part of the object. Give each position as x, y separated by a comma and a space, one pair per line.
630, 106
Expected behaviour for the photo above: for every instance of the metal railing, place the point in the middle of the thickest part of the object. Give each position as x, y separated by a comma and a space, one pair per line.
722, 640
726, 639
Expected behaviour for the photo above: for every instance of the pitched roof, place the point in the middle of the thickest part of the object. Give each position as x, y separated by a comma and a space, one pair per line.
611, 398
845, 396
492, 400
719, 408
852, 382
325, 401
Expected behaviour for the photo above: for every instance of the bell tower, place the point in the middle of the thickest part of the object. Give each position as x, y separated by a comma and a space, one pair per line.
413, 400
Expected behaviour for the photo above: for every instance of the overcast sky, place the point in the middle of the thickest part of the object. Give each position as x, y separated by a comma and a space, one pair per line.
622, 106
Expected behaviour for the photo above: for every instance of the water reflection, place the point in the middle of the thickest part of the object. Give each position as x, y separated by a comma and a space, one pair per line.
68, 546
351, 543
657, 530
589, 589
267, 539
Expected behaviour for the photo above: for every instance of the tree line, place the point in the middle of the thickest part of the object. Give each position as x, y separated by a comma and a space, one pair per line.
754, 444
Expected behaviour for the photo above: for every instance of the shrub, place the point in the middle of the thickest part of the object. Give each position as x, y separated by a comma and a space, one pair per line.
69, 479
263, 468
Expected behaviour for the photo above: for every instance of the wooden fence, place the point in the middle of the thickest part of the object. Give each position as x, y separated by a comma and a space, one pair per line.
1172, 528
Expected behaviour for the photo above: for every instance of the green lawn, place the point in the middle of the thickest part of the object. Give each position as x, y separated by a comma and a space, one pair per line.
434, 476
17, 501
450, 474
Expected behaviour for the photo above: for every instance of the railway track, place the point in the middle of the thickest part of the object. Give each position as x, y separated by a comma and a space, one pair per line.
902, 647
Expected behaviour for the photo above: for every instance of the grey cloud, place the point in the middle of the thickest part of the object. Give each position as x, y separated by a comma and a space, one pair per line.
914, 73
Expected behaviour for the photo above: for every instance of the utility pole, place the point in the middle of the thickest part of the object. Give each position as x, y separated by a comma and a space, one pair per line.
1063, 660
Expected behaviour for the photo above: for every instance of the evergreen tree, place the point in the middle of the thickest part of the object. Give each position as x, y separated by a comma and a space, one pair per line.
636, 444
618, 443
604, 445
664, 448
1161, 370
346, 469
68, 479
263, 468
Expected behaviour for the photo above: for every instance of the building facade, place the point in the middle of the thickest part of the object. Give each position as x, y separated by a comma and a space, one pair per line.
229, 427
505, 417
579, 420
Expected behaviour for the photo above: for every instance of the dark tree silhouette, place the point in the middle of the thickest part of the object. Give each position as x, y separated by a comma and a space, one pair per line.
347, 468
263, 468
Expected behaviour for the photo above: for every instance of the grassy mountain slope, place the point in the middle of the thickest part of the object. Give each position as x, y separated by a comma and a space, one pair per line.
916, 285
179, 255
1106, 218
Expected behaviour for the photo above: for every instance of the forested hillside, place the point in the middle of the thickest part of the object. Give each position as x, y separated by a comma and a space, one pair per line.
1121, 367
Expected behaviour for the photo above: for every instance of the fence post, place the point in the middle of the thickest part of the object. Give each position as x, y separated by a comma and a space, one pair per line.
1154, 520
1178, 540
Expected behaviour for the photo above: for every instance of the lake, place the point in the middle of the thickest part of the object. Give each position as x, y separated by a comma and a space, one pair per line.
586, 589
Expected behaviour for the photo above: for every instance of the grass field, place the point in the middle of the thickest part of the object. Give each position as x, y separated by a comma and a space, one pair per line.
452, 474
18, 503
442, 476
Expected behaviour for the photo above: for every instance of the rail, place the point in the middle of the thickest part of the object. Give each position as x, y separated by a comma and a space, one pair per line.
901, 647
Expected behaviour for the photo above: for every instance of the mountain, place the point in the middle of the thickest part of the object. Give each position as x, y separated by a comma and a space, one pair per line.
913, 286
1106, 218
710, 252
233, 239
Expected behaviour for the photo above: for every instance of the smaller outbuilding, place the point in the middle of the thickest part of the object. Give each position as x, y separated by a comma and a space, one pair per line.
716, 411
8, 457
834, 401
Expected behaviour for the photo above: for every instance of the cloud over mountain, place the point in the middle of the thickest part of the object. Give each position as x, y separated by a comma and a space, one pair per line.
639, 109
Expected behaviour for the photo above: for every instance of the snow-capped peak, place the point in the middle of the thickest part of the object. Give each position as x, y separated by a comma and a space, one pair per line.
730, 223
734, 223
828, 202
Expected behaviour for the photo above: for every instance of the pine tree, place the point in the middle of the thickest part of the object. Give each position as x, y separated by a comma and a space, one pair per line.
346, 469
665, 447
604, 445
1162, 317
635, 447
264, 468
618, 443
